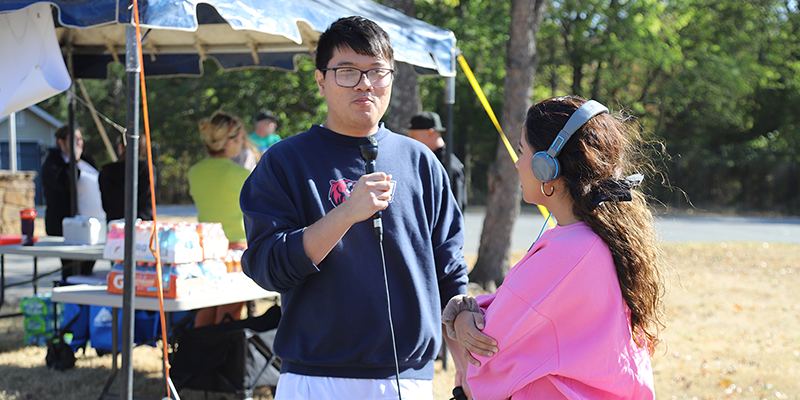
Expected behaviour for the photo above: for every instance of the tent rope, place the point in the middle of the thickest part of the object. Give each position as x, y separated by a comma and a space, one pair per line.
116, 126
154, 245
477, 87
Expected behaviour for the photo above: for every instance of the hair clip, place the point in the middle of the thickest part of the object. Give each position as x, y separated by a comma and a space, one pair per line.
635, 180
617, 189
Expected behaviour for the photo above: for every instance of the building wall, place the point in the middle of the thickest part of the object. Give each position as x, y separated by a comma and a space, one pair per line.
34, 136
16, 193
30, 128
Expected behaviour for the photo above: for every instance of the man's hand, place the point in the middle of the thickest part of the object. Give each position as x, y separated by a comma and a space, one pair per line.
369, 195
468, 326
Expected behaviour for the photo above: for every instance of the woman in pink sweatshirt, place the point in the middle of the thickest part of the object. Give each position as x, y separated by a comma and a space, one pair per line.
579, 316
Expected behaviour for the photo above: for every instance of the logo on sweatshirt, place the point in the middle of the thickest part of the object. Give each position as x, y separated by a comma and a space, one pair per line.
341, 188
340, 191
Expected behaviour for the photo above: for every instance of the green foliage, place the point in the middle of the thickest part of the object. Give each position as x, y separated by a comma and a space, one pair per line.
619, 52
697, 72
108, 98
718, 74
241, 92
177, 105
731, 178
481, 28
451, 3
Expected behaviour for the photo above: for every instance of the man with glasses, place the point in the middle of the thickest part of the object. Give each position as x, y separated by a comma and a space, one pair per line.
56, 182
308, 210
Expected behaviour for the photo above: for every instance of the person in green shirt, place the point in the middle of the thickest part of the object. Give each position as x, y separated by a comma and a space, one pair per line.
264, 135
216, 181
215, 184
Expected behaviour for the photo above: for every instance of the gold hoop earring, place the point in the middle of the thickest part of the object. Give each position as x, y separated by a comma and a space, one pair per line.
552, 190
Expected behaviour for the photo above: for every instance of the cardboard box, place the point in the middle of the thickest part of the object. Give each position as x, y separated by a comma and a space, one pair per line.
147, 285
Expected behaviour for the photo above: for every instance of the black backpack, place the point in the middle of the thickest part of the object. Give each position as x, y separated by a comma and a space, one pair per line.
232, 357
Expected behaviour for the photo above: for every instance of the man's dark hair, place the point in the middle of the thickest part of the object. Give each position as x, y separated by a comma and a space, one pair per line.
63, 132
360, 34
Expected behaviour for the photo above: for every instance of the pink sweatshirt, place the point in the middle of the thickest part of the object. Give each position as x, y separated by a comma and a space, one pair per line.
562, 327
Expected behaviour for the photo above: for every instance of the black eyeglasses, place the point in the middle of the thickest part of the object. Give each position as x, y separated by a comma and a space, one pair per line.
350, 77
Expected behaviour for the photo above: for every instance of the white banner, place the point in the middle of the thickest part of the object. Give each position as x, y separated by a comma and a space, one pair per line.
32, 68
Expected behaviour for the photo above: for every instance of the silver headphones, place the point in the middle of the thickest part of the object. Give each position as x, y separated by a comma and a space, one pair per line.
544, 163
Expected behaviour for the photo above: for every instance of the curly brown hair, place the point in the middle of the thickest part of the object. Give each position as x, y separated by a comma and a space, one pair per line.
609, 148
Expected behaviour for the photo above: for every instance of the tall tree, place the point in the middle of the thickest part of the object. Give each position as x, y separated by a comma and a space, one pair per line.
618, 52
405, 102
739, 80
503, 206
483, 44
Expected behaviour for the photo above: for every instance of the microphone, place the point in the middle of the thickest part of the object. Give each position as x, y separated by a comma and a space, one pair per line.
368, 146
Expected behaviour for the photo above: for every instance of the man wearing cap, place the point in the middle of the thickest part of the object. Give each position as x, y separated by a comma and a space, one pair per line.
427, 128
265, 136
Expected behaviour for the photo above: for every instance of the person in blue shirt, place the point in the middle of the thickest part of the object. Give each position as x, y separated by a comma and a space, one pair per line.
265, 136
308, 209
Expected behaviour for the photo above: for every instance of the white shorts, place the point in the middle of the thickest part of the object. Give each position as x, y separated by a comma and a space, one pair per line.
303, 387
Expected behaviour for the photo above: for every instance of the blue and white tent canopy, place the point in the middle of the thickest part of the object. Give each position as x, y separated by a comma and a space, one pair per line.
179, 34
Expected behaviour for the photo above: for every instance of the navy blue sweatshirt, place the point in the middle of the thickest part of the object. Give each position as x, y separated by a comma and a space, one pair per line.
335, 320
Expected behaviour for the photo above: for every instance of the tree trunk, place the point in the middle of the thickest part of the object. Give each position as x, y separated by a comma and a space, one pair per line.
405, 102
505, 192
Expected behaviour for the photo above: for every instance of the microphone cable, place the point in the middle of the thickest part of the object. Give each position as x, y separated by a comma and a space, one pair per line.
379, 234
368, 148
541, 231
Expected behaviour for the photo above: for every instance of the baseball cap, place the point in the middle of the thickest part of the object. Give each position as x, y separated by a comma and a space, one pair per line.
426, 120
266, 114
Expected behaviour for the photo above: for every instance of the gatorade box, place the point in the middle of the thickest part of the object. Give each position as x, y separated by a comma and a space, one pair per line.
179, 280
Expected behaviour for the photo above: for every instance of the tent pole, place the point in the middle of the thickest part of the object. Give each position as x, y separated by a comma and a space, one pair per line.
73, 163
450, 100
132, 68
12, 142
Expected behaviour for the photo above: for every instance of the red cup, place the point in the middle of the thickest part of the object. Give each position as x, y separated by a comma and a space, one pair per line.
28, 216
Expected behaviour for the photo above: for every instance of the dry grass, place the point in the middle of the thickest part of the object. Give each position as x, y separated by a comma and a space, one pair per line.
733, 332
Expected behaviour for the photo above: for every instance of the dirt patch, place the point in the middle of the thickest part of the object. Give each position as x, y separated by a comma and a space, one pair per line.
733, 332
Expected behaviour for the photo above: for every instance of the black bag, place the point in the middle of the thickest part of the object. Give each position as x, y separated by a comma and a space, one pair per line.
458, 394
232, 357
60, 355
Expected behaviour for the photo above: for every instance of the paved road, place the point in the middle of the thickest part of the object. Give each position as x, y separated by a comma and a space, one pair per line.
673, 228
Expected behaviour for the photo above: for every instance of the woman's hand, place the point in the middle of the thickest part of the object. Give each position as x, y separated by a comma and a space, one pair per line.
468, 326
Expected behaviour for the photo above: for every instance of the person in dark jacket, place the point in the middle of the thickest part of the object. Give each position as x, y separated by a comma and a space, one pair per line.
112, 184
56, 178
427, 128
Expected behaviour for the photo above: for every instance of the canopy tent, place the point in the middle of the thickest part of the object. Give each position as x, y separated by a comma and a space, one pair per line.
179, 34
237, 33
